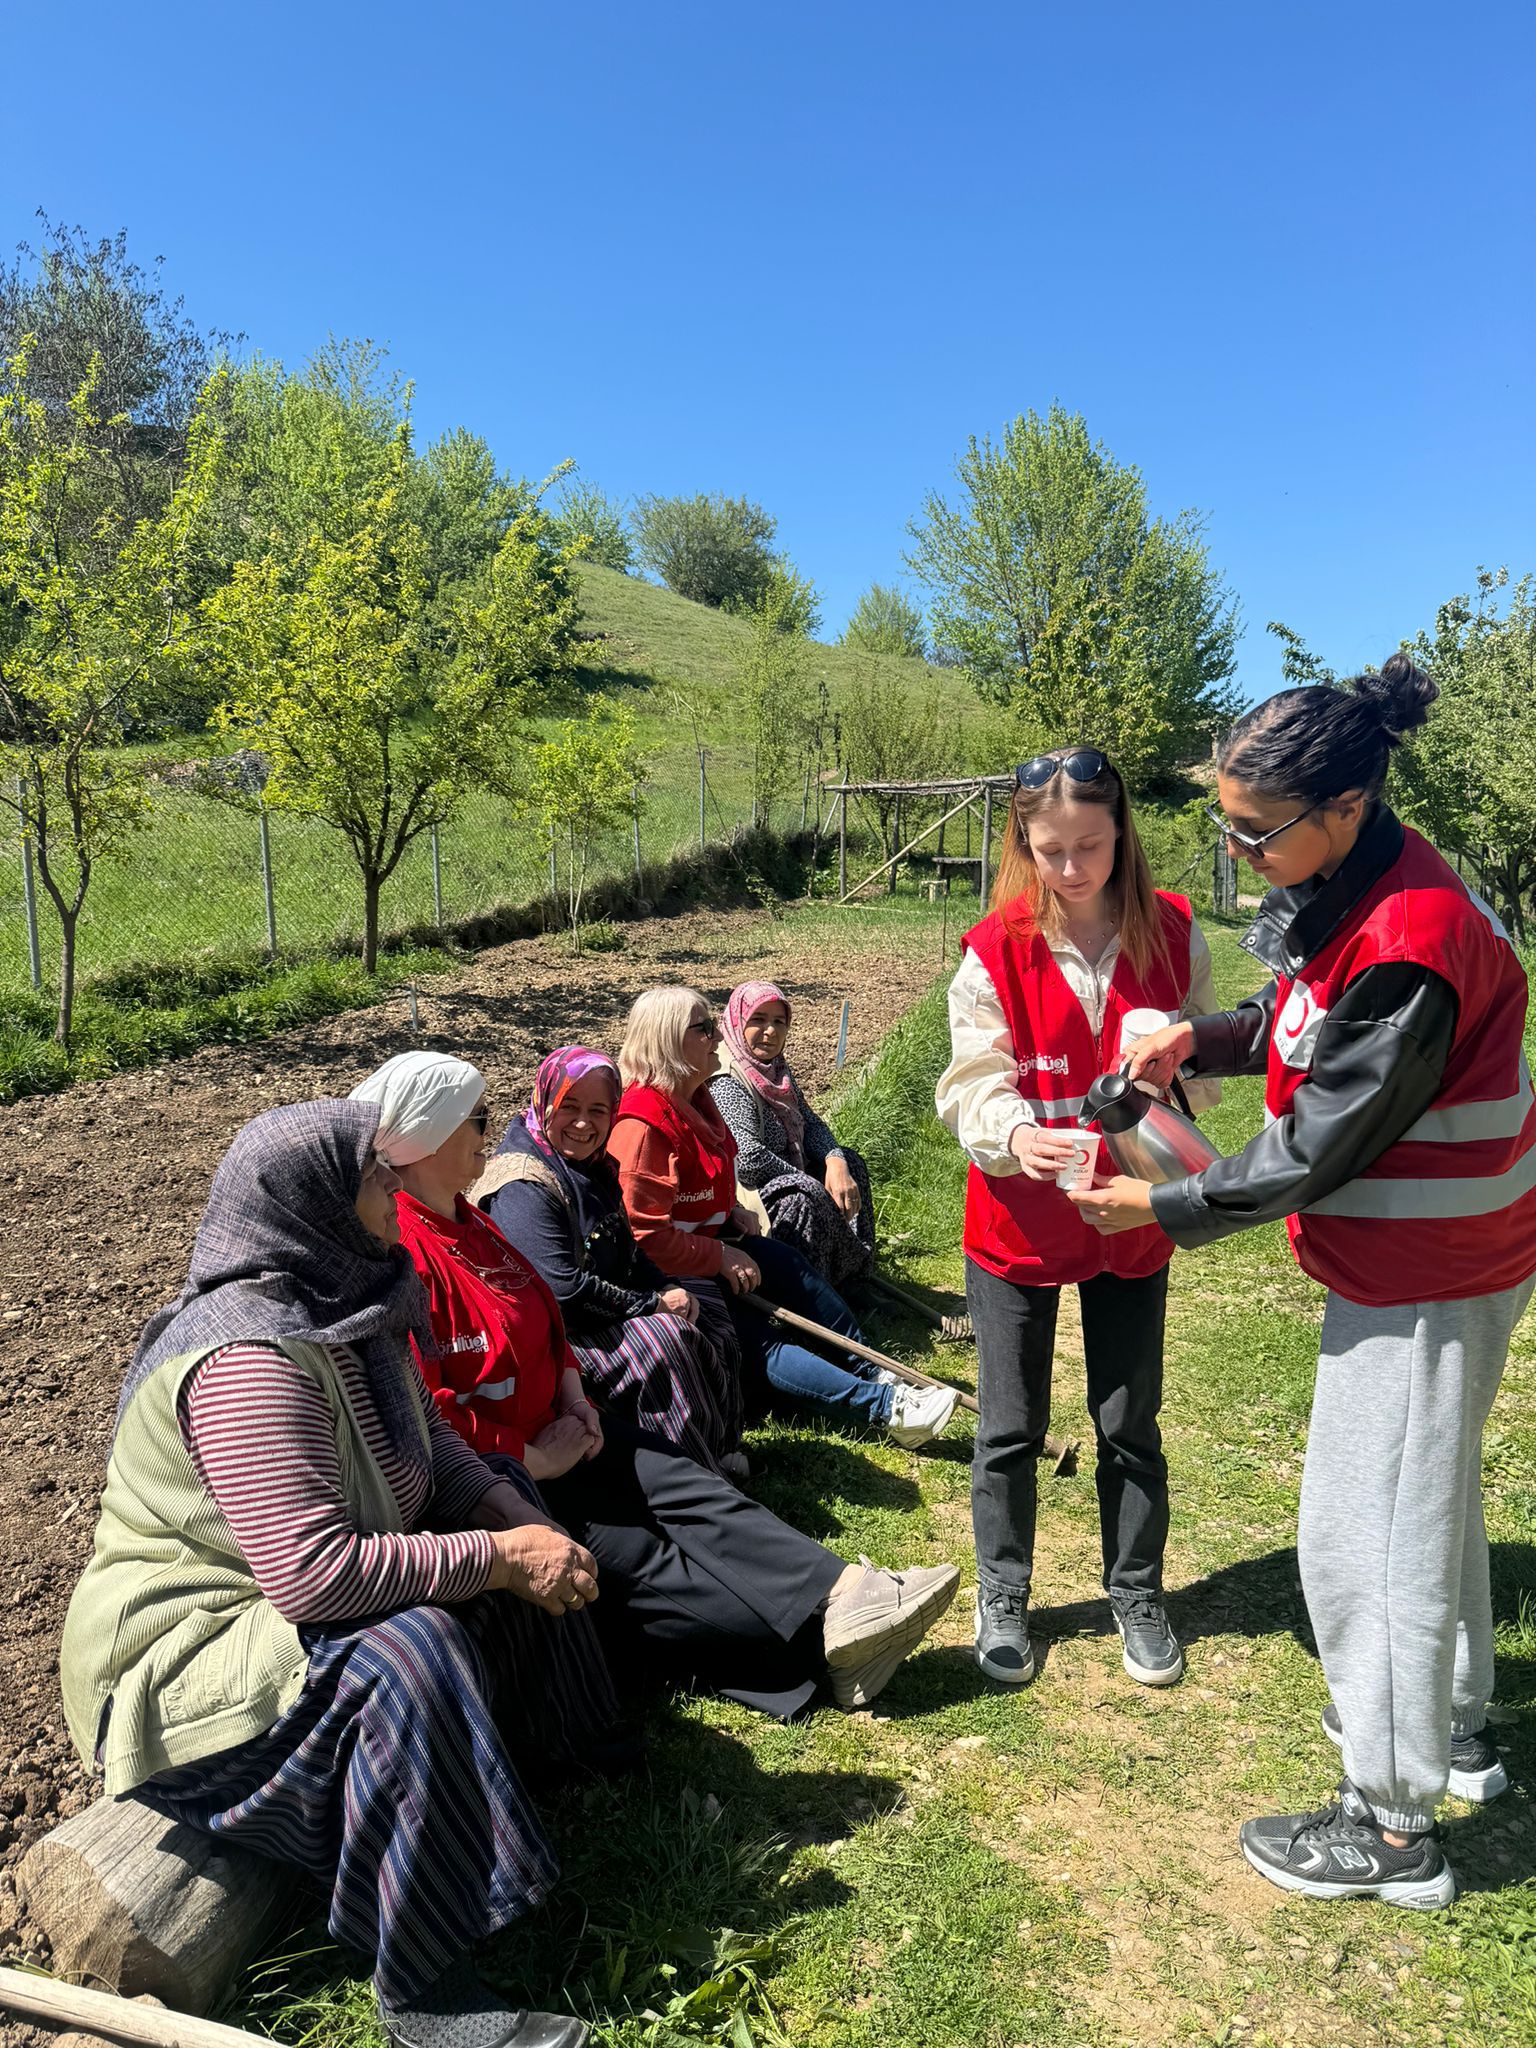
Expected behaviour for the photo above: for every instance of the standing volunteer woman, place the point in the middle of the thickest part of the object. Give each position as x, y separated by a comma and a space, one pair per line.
1079, 941
1401, 1147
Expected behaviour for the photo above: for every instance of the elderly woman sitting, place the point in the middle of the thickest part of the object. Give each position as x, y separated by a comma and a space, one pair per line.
651, 1350
311, 1623
677, 1167
815, 1191
709, 1586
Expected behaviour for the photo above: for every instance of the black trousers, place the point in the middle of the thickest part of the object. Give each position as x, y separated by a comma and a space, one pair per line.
1015, 1345
697, 1583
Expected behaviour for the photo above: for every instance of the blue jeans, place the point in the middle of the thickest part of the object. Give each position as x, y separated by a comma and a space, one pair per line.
846, 1391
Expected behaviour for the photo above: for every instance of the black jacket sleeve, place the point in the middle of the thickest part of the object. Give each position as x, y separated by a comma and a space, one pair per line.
538, 1225
1235, 1041
1376, 1069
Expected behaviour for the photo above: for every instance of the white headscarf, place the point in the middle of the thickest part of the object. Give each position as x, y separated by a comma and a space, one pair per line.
423, 1097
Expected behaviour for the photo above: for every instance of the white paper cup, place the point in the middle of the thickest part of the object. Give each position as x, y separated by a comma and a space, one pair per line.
1141, 1024
1085, 1157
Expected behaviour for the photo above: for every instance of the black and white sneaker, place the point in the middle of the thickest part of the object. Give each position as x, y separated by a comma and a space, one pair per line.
1477, 1769
1339, 1853
460, 2010
1003, 1648
1151, 1649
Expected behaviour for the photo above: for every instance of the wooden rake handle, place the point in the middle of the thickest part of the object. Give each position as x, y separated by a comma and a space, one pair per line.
1061, 1452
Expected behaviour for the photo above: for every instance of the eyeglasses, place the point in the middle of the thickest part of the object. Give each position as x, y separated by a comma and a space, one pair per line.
481, 1119
1078, 764
1250, 842
705, 1024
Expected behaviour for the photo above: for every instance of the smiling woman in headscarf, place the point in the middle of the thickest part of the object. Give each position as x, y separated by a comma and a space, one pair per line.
701, 1584
274, 1644
815, 1191
661, 1354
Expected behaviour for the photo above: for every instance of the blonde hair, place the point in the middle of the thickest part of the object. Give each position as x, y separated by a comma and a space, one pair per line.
1027, 904
651, 1055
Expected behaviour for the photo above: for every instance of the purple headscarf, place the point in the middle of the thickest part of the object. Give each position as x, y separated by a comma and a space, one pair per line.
556, 1075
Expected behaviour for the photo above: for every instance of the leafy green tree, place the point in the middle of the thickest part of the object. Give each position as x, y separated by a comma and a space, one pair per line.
379, 691
713, 549
776, 698
97, 603
582, 786
1069, 602
884, 621
587, 517
788, 601
895, 729
1468, 777
1298, 664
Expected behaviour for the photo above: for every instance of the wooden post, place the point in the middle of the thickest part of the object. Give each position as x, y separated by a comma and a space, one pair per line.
895, 847
29, 888
143, 1904
842, 844
701, 799
986, 848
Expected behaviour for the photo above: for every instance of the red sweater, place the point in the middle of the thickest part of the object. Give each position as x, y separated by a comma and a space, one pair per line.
498, 1341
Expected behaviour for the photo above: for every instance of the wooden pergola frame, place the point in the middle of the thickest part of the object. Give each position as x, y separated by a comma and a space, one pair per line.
968, 790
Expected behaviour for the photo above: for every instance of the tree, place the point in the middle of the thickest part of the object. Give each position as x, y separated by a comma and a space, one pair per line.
1298, 664
588, 517
776, 698
97, 602
379, 690
790, 602
1069, 603
583, 785
712, 549
884, 621
92, 317
1468, 777
894, 730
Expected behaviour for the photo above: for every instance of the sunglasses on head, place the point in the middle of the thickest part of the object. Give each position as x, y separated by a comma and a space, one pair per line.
1078, 764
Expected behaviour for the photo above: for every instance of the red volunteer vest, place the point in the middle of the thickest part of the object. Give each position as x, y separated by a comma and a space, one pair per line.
1026, 1230
1450, 1209
705, 1154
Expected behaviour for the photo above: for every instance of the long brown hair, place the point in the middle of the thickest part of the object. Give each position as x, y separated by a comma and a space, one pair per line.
1027, 905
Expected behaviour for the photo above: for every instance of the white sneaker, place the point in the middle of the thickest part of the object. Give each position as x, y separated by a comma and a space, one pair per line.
918, 1414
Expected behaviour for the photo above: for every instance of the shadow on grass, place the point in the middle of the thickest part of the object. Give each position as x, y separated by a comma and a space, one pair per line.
673, 1879
808, 1479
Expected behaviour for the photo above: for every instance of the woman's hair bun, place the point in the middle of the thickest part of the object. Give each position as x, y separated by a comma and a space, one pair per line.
1399, 693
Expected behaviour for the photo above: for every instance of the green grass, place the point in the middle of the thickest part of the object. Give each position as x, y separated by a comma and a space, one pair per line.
1058, 1866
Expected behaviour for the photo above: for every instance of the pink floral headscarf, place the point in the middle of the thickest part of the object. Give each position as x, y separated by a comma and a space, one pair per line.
570, 1063
771, 1079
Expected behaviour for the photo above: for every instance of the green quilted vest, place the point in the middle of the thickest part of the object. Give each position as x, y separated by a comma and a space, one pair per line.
167, 1623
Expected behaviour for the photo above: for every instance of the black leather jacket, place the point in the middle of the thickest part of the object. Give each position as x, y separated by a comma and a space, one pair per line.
1376, 1068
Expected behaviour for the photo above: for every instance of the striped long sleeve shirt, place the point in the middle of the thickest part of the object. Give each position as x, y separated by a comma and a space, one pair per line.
261, 1436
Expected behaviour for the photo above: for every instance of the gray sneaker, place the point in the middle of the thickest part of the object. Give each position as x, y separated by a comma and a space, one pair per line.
878, 1621
1003, 1648
1151, 1649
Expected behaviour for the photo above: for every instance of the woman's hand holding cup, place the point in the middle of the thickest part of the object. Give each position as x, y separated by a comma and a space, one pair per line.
1041, 1153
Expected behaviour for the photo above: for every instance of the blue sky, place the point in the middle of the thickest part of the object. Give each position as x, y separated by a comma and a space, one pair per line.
1279, 255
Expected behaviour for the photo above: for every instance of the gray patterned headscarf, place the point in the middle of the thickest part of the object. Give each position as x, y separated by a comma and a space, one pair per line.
282, 1252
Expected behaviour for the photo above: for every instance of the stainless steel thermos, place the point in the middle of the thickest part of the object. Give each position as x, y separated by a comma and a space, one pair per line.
1146, 1137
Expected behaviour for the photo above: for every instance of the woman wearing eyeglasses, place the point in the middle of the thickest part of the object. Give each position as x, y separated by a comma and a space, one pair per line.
1080, 939
677, 1167
1400, 1146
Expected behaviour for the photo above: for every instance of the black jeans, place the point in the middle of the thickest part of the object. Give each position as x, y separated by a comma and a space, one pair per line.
1015, 1344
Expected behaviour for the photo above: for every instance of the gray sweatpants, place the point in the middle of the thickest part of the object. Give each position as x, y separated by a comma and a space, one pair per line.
1393, 1550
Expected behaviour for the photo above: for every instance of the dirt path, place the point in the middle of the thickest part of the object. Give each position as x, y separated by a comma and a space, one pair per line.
101, 1189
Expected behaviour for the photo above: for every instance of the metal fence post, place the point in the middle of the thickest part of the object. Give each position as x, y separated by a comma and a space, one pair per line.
986, 848
437, 881
29, 889
639, 868
701, 799
267, 891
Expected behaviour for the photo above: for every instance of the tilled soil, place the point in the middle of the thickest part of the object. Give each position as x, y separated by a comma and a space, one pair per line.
101, 1189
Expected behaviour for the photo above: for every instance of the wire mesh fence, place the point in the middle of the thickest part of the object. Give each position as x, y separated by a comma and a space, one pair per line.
204, 878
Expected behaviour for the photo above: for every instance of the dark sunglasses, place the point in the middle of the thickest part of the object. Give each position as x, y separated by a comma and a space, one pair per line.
1250, 842
481, 1119
707, 1025
1078, 764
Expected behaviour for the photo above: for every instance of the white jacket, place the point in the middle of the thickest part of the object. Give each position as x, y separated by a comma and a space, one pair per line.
978, 1092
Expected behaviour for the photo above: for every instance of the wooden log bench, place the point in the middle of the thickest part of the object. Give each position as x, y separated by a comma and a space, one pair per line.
139, 1905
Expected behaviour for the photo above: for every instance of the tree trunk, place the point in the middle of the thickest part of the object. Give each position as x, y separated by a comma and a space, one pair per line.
68, 921
372, 883
141, 1904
